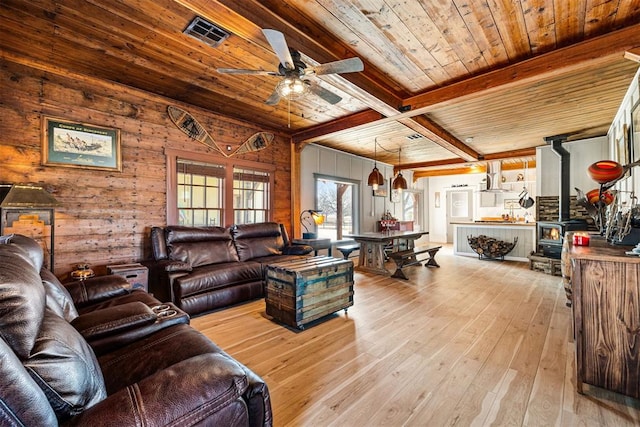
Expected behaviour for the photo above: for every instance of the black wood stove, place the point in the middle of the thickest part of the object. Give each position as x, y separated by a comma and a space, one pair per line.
550, 234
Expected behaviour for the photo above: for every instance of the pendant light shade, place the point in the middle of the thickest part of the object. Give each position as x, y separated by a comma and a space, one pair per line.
375, 177
399, 183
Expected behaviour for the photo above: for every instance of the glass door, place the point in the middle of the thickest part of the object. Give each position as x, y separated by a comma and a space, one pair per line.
459, 209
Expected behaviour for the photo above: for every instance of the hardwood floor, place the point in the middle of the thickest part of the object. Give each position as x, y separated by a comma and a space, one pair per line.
472, 343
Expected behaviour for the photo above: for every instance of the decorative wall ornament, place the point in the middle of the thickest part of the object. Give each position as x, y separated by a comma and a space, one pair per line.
194, 130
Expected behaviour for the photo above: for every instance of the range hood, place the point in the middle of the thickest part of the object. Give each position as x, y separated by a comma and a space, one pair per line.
494, 177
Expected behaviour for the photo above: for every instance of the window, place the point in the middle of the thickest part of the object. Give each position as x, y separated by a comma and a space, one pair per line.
206, 190
251, 196
200, 193
336, 198
411, 207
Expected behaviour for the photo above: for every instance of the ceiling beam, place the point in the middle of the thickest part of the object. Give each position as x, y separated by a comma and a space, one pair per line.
581, 55
353, 120
476, 168
633, 54
525, 152
440, 136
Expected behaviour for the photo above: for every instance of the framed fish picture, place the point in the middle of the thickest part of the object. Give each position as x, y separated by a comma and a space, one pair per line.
80, 145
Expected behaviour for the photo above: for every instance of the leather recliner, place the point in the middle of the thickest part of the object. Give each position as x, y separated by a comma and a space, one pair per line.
153, 368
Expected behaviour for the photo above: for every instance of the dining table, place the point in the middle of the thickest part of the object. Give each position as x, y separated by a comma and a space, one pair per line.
373, 245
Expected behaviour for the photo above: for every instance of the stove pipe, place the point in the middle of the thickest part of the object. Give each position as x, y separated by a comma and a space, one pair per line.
565, 184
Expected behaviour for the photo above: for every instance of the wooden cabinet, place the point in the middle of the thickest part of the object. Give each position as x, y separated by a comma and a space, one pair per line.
606, 310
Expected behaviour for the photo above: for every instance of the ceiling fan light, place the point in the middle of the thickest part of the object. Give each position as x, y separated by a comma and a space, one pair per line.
375, 178
291, 88
399, 183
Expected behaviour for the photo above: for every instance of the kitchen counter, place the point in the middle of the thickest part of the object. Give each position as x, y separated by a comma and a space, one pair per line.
498, 223
507, 231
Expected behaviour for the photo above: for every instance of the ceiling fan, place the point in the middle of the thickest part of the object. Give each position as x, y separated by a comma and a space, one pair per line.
294, 84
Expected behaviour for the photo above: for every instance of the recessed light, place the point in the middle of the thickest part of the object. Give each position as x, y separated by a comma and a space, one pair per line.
469, 140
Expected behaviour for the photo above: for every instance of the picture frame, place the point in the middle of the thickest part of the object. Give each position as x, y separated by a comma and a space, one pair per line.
381, 191
80, 145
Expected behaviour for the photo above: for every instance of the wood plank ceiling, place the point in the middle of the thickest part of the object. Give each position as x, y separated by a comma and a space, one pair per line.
449, 81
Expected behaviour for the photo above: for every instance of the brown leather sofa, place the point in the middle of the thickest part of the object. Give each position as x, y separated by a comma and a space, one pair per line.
150, 367
205, 268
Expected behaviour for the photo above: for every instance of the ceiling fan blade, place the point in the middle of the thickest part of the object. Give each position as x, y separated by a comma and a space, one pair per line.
350, 65
279, 46
273, 99
325, 94
243, 71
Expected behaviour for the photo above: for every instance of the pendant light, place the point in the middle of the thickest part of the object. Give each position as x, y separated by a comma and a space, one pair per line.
399, 183
375, 177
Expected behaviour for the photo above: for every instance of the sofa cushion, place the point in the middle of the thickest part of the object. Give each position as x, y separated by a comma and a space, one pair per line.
257, 240
22, 298
210, 277
31, 249
58, 298
200, 245
65, 367
22, 402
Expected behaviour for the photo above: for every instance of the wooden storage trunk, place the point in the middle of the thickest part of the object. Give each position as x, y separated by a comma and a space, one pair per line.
301, 291
136, 274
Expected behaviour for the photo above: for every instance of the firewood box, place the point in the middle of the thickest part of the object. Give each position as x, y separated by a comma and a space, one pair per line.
490, 247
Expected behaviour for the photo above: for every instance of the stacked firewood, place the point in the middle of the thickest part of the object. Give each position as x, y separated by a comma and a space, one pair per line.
490, 247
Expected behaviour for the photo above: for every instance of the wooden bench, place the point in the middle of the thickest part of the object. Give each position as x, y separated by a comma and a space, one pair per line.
347, 249
409, 257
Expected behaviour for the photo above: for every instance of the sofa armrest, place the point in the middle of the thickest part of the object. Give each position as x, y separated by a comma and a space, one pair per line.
297, 250
113, 327
161, 275
97, 289
112, 320
205, 390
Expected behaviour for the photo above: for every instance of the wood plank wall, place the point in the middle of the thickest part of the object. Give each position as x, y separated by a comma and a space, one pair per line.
106, 216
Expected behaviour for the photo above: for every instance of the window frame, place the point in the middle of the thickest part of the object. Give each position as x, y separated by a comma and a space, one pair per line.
355, 188
172, 155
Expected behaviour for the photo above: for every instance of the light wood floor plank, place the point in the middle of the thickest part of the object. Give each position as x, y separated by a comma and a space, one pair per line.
473, 343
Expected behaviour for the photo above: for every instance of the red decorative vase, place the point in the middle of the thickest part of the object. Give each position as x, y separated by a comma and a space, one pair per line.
594, 196
605, 171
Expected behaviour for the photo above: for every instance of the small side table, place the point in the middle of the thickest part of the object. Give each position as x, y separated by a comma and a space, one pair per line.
136, 274
316, 244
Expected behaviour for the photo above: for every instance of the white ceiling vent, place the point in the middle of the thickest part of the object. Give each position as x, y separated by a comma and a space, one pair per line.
414, 136
206, 32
